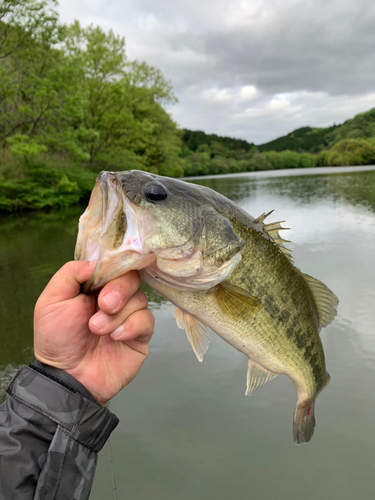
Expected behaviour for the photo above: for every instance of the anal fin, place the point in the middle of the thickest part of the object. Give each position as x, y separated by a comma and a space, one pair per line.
257, 376
197, 333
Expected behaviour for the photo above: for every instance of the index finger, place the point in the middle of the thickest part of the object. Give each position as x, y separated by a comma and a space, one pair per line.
115, 294
66, 282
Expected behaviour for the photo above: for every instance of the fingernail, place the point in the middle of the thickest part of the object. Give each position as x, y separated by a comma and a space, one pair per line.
112, 300
100, 320
116, 333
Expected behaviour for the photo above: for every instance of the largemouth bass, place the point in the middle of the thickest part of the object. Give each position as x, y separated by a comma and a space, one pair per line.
222, 268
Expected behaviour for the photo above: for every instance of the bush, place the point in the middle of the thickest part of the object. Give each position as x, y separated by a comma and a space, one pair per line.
347, 152
44, 187
289, 159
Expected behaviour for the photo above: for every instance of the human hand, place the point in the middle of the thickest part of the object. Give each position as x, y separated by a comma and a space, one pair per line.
103, 349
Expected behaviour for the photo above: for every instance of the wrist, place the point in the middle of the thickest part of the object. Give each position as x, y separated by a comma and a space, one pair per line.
90, 384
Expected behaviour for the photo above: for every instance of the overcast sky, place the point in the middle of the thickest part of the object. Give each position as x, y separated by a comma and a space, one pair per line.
252, 69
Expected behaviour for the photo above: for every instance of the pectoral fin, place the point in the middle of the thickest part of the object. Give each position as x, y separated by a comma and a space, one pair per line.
234, 301
197, 333
257, 376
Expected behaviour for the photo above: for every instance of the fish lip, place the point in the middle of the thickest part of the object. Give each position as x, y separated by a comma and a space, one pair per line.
101, 181
107, 179
113, 199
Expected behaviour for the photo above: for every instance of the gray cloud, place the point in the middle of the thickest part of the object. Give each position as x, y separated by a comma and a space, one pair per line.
308, 61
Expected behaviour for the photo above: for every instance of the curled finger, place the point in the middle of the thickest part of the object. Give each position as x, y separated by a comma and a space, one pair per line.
103, 324
115, 294
138, 327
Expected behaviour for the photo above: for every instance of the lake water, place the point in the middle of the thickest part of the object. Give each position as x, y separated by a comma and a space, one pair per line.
186, 431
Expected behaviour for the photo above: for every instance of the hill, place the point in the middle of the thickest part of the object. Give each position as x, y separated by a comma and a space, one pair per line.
192, 139
302, 140
351, 143
314, 140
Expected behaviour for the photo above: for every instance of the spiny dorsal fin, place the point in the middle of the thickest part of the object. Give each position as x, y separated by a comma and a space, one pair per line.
261, 218
325, 300
197, 334
257, 376
235, 301
272, 230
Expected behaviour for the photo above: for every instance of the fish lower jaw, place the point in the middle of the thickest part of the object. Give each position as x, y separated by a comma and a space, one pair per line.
113, 266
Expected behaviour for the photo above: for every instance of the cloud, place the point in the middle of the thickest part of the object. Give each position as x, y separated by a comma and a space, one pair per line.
258, 67
243, 94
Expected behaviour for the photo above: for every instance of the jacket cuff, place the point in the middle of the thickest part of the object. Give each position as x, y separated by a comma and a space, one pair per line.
83, 419
63, 378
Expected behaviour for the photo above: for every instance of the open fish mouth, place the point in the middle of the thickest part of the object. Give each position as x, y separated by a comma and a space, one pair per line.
110, 232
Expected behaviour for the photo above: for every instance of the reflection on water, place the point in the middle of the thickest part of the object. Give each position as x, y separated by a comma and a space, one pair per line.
31, 250
186, 430
355, 187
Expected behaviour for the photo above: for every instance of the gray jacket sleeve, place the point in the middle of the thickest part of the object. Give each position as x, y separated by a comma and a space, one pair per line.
51, 430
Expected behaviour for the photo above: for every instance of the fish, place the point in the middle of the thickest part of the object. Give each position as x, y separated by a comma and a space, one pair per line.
222, 268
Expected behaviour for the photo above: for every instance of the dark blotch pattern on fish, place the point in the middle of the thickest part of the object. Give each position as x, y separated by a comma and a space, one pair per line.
270, 306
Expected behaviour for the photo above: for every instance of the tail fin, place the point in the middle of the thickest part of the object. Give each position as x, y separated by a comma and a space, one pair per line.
304, 422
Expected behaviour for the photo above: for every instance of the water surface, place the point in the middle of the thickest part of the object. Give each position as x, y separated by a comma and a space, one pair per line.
186, 429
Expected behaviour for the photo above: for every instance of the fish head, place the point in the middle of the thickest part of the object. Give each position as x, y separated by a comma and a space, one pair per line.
138, 220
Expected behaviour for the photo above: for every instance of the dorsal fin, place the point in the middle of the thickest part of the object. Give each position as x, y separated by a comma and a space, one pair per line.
325, 300
272, 230
261, 218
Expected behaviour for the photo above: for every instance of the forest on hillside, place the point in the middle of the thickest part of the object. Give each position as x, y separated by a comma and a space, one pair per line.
72, 104
315, 140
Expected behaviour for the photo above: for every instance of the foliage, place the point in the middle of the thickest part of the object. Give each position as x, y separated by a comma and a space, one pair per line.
362, 126
69, 98
44, 187
216, 159
123, 117
194, 139
25, 147
65, 84
305, 139
314, 140
37, 81
348, 152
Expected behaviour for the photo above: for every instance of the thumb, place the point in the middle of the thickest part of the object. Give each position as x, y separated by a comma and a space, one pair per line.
66, 283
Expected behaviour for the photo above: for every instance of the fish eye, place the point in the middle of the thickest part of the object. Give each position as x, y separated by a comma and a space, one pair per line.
155, 193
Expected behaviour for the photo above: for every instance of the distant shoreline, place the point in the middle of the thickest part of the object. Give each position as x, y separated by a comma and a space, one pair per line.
287, 172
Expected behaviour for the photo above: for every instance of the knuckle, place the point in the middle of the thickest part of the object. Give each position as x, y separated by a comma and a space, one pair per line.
142, 322
148, 321
67, 268
141, 297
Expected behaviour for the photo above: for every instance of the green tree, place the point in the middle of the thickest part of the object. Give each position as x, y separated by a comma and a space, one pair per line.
348, 152
275, 159
124, 121
259, 162
40, 95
